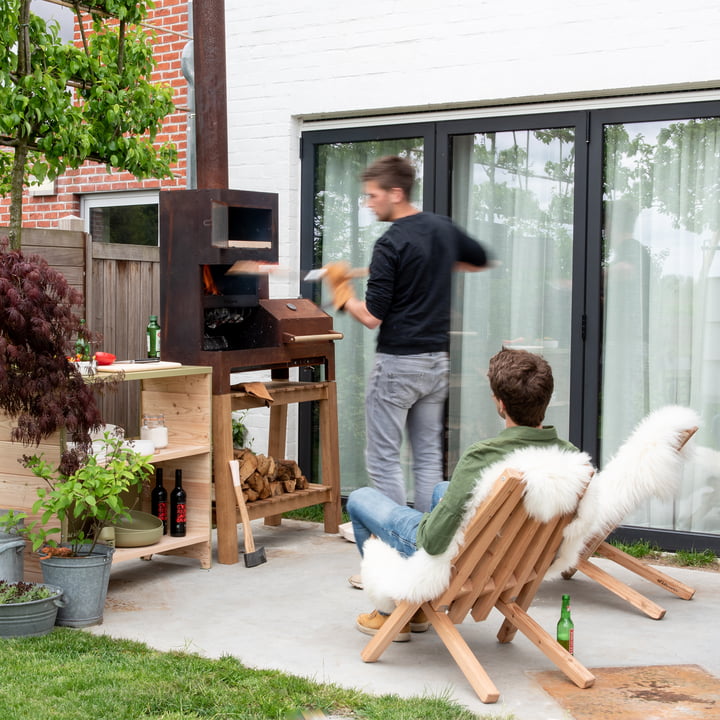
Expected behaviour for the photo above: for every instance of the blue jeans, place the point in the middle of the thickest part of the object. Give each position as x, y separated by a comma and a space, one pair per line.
406, 391
373, 513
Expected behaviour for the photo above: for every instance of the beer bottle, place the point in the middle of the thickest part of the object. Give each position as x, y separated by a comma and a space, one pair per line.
565, 627
153, 337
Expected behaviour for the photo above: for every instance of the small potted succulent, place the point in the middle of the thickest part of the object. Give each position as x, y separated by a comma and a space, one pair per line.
28, 609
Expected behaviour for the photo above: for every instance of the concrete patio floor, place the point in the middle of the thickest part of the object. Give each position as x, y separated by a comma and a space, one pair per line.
296, 613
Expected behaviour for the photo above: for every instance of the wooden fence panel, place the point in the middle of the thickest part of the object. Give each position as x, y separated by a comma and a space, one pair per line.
126, 291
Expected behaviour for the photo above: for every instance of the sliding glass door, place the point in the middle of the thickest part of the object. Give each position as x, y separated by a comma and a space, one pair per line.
661, 298
605, 228
515, 191
344, 229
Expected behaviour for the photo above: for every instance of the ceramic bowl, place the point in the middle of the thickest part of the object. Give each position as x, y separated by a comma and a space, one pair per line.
143, 447
139, 529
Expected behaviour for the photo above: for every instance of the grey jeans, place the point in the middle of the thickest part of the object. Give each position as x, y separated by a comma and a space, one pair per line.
406, 391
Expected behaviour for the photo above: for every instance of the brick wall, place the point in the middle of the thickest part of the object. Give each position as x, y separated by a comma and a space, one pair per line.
44, 210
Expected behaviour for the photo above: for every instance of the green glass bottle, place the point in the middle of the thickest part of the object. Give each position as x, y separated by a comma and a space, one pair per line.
153, 337
565, 627
82, 346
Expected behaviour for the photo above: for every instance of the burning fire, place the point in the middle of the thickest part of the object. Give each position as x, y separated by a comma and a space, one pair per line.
209, 285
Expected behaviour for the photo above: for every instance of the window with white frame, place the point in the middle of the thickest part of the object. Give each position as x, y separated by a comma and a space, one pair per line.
127, 218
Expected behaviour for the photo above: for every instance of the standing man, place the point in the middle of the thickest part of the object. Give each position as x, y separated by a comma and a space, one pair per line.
408, 298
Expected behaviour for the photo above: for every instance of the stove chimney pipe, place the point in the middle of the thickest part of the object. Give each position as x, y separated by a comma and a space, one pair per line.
210, 94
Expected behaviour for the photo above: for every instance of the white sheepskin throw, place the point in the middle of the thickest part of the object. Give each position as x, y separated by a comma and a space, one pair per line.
553, 480
646, 465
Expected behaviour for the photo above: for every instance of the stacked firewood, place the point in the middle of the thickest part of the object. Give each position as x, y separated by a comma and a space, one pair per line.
262, 477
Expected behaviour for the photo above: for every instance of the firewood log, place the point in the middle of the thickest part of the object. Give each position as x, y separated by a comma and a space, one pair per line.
263, 464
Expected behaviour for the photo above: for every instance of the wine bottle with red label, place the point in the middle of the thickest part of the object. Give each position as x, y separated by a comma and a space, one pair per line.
178, 507
159, 500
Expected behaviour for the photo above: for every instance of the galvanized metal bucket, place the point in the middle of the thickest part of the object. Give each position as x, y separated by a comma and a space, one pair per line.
11, 557
84, 580
31, 619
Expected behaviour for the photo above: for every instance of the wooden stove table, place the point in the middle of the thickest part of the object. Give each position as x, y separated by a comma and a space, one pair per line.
283, 393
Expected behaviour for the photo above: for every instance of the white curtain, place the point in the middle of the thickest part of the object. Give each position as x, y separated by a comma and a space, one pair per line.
514, 192
661, 271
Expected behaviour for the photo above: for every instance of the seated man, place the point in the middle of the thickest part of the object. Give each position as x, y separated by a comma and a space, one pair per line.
522, 385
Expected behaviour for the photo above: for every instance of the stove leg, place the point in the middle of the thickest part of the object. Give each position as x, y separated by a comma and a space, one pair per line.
277, 442
225, 512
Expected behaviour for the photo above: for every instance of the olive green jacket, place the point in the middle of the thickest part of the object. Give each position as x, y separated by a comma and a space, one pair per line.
438, 527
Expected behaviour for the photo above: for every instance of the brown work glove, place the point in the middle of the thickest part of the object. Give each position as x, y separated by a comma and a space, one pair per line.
338, 281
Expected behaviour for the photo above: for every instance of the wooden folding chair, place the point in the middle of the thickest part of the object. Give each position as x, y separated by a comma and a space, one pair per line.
503, 558
598, 546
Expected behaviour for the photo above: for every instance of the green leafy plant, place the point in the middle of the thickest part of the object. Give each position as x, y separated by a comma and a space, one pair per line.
65, 103
639, 549
21, 592
695, 558
86, 500
240, 432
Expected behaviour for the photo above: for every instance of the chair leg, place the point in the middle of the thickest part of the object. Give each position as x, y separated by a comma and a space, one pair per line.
685, 592
464, 657
572, 668
623, 591
387, 633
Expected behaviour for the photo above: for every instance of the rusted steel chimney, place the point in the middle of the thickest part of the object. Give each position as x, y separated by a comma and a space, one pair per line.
210, 94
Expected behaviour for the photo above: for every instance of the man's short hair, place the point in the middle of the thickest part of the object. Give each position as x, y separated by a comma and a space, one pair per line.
524, 383
391, 172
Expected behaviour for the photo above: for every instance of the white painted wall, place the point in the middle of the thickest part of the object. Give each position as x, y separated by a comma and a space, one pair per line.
291, 62
294, 60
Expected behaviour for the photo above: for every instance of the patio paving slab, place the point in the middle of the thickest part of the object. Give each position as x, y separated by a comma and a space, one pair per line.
296, 613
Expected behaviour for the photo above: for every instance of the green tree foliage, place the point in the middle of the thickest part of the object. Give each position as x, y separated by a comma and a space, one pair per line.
62, 104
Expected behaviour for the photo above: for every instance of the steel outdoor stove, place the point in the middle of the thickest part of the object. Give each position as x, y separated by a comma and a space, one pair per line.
215, 313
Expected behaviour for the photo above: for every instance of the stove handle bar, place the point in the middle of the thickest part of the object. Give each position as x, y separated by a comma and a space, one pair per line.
290, 338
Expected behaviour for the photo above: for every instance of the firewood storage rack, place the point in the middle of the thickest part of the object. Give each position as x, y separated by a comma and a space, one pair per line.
284, 393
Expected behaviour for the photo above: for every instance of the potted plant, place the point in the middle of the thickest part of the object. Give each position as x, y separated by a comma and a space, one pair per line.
85, 501
28, 609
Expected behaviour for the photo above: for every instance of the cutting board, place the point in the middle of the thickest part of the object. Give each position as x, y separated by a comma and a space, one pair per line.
138, 367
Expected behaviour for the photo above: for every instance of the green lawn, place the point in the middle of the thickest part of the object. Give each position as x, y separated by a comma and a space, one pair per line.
71, 674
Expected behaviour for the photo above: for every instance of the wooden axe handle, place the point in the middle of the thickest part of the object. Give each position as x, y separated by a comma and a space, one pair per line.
247, 530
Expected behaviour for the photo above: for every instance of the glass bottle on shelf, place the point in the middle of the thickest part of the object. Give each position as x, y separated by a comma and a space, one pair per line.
153, 337
178, 507
159, 499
